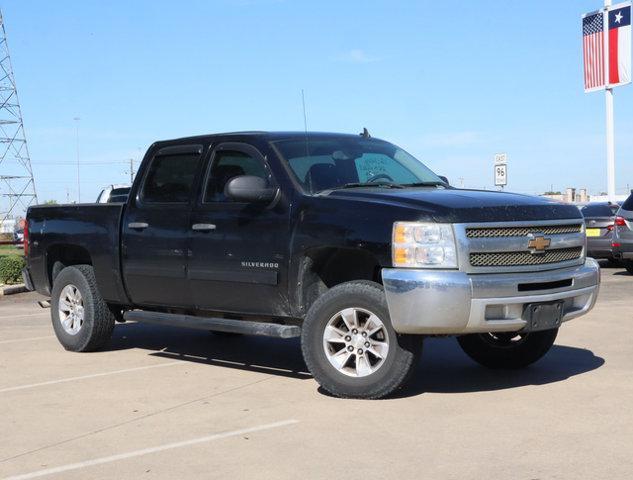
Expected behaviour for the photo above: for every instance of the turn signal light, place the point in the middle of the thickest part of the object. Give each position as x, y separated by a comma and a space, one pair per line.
400, 233
401, 255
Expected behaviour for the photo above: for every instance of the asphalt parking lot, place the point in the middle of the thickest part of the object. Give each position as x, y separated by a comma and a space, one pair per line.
169, 403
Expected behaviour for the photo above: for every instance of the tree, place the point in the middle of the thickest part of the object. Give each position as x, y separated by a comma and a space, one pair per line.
50, 202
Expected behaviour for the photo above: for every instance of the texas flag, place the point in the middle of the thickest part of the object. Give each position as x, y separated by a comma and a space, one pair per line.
619, 24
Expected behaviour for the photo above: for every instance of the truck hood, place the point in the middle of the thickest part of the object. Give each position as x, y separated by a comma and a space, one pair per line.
463, 206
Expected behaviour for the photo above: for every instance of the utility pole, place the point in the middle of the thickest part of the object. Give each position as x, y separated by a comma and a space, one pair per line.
131, 171
76, 119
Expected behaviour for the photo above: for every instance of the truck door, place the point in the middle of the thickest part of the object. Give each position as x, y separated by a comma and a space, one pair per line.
156, 226
238, 250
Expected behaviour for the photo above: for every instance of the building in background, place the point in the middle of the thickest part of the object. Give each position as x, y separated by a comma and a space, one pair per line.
605, 198
8, 225
580, 195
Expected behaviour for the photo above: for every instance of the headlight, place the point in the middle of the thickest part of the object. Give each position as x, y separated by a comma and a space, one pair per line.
423, 245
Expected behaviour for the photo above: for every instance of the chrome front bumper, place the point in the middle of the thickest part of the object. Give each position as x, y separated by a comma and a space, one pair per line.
453, 302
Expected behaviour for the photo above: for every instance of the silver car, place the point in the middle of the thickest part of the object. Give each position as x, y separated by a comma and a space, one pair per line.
623, 234
600, 218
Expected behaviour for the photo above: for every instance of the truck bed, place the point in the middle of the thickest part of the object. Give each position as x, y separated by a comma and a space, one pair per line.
93, 230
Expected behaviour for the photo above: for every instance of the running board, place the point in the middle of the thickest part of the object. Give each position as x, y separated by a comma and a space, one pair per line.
217, 324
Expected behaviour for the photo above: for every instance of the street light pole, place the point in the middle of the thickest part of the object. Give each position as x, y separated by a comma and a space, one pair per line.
76, 119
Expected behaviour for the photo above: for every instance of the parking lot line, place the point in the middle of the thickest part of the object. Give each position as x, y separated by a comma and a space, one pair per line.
16, 340
146, 451
23, 315
85, 377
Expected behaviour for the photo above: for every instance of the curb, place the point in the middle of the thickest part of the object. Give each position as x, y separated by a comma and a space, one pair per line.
13, 289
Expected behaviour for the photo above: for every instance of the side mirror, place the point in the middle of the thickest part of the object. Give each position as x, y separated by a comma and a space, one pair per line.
444, 179
251, 189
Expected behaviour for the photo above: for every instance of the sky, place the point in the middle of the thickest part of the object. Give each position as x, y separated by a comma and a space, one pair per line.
453, 83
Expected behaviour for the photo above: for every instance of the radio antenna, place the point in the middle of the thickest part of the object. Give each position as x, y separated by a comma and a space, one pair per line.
305, 120
305, 116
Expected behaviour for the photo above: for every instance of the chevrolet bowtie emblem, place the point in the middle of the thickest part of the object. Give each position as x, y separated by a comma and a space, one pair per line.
539, 244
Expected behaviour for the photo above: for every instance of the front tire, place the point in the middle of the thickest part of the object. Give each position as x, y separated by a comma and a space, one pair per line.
507, 350
628, 264
350, 346
82, 320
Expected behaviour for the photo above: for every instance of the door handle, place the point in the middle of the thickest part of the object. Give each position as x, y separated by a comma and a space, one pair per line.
137, 225
203, 227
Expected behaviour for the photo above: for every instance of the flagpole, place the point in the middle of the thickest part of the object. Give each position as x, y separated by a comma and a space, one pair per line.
610, 145
608, 92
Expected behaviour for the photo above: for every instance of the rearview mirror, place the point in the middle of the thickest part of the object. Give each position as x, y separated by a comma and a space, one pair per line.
248, 188
444, 179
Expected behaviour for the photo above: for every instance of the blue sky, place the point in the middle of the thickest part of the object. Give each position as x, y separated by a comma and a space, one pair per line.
451, 82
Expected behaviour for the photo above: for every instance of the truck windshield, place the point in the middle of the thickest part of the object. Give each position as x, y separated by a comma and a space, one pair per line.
340, 162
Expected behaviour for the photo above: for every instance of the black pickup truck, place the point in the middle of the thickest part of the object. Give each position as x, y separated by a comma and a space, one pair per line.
344, 240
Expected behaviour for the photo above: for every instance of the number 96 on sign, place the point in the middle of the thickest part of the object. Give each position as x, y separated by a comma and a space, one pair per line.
501, 175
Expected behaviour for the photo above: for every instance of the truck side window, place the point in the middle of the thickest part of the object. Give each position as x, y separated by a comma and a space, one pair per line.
170, 179
227, 165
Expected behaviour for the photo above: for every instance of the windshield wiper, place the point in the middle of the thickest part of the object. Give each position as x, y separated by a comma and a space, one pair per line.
360, 185
424, 184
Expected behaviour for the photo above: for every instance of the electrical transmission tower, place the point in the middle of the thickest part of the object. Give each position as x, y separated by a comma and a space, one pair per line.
16, 176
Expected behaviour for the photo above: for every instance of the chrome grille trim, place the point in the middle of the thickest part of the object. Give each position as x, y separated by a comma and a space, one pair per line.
495, 243
487, 232
514, 259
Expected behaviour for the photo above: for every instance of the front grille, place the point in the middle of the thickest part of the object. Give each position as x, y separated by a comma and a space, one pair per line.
516, 259
485, 232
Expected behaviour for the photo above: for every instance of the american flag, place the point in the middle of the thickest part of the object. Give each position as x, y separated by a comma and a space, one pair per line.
593, 50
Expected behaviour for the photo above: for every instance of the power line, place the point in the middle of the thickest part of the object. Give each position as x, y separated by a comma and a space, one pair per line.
46, 164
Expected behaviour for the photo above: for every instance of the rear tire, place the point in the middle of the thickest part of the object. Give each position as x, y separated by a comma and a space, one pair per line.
628, 264
371, 363
614, 262
507, 350
81, 318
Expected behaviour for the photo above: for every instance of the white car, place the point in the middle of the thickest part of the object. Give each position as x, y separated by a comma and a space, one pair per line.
116, 193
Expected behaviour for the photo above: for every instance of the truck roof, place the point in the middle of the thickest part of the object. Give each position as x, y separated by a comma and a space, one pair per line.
263, 135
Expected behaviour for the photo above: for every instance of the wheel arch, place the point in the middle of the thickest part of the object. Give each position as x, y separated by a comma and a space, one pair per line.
323, 268
61, 255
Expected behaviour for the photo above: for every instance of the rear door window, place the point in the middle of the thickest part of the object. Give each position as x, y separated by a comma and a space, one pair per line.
170, 178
